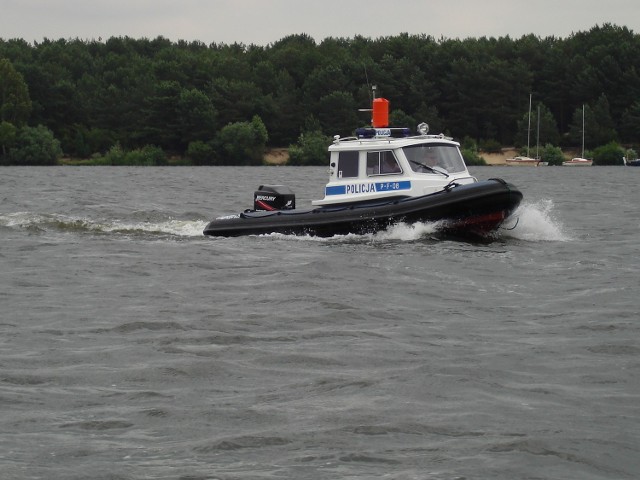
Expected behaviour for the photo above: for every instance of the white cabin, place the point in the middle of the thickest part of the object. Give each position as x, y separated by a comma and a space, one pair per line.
386, 162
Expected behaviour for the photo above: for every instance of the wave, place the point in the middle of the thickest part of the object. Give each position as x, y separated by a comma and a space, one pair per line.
535, 222
410, 232
65, 223
402, 232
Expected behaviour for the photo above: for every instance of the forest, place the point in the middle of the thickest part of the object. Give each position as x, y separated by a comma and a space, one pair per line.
147, 100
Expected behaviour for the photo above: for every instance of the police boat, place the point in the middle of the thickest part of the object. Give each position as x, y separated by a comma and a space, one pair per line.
380, 177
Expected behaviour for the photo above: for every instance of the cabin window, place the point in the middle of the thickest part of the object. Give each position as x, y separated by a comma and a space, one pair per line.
445, 156
382, 163
348, 164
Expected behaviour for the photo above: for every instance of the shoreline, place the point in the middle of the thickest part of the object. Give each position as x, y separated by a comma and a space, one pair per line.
280, 156
500, 159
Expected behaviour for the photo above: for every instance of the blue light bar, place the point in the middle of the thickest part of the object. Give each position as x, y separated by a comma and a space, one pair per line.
394, 132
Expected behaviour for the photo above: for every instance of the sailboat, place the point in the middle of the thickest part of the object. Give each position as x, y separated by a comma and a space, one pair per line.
579, 161
535, 162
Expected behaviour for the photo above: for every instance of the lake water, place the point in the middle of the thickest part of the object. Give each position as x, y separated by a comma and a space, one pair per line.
133, 347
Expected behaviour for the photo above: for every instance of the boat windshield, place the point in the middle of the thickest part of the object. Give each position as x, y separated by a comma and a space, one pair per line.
424, 157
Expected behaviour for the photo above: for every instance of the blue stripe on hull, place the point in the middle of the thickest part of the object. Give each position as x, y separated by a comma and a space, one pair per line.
356, 188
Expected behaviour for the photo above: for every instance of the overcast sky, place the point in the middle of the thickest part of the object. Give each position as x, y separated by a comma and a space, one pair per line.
263, 22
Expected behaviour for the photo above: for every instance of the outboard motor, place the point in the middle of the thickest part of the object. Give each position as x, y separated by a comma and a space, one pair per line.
274, 197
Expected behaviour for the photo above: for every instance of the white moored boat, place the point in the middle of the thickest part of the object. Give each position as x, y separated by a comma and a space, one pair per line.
526, 161
578, 162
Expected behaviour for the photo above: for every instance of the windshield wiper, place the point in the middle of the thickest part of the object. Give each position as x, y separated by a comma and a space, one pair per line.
439, 170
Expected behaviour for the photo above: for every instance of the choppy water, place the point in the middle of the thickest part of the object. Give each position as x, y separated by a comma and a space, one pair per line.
132, 347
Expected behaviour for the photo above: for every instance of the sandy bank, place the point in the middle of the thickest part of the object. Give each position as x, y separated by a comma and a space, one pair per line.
276, 156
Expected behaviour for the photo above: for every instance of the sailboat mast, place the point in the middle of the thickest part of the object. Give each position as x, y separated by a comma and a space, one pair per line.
538, 134
529, 127
582, 156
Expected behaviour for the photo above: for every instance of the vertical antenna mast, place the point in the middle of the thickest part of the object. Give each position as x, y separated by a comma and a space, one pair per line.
366, 76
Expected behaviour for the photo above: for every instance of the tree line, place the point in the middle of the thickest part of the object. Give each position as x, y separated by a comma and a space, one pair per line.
223, 104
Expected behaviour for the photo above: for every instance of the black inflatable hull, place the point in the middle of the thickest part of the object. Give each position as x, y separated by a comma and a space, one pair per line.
476, 209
